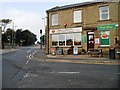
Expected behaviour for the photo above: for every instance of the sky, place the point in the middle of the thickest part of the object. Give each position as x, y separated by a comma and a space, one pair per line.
28, 14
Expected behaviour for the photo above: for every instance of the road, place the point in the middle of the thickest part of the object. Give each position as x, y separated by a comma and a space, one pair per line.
22, 70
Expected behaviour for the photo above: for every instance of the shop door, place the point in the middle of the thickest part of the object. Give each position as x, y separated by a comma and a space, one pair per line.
90, 40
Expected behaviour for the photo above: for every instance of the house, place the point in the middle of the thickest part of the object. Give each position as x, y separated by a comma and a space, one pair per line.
84, 26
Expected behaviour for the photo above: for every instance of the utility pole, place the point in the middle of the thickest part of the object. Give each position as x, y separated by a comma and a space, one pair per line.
44, 29
13, 35
0, 37
40, 39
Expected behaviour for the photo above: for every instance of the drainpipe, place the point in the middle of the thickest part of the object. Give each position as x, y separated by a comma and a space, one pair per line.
47, 33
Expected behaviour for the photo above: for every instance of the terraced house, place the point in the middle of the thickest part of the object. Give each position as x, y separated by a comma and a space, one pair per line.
83, 25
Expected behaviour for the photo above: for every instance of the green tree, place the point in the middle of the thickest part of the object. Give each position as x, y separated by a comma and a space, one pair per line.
18, 36
28, 37
4, 22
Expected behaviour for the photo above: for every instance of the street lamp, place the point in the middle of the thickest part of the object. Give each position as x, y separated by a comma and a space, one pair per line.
41, 38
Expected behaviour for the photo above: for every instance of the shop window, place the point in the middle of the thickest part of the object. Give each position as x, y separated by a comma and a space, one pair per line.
61, 39
104, 12
77, 16
105, 38
77, 38
69, 39
55, 40
54, 19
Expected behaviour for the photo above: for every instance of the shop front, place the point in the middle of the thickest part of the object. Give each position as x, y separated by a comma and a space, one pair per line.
107, 34
66, 38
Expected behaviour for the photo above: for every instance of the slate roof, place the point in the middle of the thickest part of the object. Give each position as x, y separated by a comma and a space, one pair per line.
70, 6
77, 5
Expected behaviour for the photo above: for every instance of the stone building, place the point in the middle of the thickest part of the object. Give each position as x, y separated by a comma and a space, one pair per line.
84, 26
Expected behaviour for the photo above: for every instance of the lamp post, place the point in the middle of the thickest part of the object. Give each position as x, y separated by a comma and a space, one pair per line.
44, 28
12, 35
41, 38
0, 37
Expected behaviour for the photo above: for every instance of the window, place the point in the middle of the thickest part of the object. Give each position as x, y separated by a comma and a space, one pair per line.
105, 38
69, 39
55, 40
77, 38
104, 13
61, 39
77, 16
55, 19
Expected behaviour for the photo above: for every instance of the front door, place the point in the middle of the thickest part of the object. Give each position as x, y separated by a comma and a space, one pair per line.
90, 40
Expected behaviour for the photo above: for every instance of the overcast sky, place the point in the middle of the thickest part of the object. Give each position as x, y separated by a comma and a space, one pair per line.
28, 14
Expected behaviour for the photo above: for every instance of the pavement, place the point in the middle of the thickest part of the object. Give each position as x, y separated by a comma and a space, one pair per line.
6, 50
83, 59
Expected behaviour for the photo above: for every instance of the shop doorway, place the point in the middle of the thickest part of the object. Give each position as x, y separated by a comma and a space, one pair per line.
90, 40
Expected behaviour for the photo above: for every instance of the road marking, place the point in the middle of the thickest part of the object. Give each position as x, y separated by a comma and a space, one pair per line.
30, 56
29, 75
28, 51
69, 72
28, 61
66, 72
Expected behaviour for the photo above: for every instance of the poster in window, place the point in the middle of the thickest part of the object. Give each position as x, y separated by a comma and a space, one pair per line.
104, 35
97, 40
84, 38
105, 38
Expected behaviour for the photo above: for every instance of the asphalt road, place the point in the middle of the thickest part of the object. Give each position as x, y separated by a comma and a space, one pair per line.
13, 65
22, 70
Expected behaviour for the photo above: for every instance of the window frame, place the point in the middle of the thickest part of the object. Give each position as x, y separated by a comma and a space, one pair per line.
54, 21
101, 13
76, 16
73, 38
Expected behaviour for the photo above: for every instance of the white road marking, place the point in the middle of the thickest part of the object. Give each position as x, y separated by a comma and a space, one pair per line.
30, 56
29, 75
69, 72
28, 61
66, 72
28, 51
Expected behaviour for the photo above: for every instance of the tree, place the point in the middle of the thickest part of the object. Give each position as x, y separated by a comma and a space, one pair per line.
4, 22
28, 37
18, 36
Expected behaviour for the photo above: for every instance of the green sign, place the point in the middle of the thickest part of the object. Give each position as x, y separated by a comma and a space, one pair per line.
107, 27
84, 38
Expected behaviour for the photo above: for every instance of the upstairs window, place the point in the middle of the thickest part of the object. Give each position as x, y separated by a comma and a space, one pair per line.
54, 19
104, 12
77, 16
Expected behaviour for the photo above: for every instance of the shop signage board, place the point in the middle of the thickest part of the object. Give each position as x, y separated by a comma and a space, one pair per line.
66, 30
107, 27
75, 51
53, 51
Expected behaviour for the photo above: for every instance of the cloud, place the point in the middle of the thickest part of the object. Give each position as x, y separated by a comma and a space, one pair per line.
43, 0
24, 20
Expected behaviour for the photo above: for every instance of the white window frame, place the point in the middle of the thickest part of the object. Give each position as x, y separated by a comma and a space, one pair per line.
54, 19
77, 16
101, 13
73, 37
